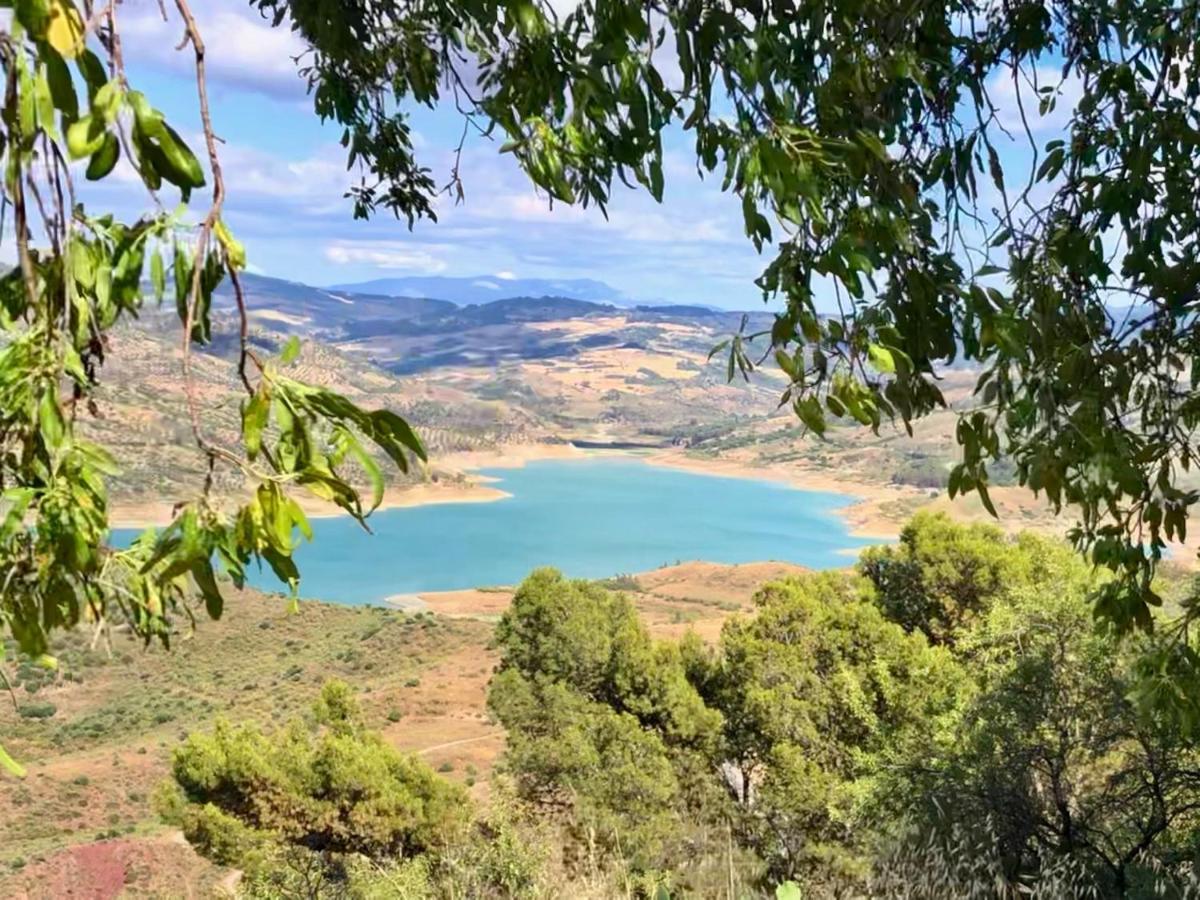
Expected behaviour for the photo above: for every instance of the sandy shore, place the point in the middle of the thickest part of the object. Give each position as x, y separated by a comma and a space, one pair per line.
862, 515
513, 456
158, 513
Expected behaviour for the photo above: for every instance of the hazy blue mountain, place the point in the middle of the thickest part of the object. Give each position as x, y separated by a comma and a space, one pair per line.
487, 288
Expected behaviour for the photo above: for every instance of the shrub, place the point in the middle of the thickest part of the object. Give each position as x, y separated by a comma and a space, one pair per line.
36, 710
341, 788
621, 582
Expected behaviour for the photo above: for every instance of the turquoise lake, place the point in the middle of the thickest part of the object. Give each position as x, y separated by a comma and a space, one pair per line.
589, 518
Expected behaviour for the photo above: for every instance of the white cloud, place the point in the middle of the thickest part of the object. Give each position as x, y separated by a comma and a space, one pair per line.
505, 275
1012, 115
387, 255
246, 50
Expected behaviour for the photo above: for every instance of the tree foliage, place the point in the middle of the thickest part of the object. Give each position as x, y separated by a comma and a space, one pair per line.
81, 272
819, 692
321, 790
897, 161
1049, 746
602, 721
941, 576
955, 696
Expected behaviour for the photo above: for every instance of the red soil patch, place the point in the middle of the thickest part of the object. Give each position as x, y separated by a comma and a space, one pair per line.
163, 866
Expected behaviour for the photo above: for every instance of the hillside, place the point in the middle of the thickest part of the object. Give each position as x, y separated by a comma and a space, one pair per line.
97, 738
521, 371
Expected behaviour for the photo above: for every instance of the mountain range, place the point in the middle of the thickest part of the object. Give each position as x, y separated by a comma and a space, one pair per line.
480, 289
406, 334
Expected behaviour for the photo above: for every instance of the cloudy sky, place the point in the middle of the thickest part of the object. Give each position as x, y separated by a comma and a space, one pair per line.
286, 176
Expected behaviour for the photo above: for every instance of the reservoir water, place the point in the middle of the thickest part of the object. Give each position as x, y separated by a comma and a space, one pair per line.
589, 518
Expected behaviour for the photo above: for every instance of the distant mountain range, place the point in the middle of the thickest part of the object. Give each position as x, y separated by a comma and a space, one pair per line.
487, 288
306, 308
407, 334
366, 306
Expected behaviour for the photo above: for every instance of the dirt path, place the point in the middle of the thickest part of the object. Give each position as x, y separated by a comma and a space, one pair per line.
447, 746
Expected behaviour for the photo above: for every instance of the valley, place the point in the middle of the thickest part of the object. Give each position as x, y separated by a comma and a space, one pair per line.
85, 815
513, 380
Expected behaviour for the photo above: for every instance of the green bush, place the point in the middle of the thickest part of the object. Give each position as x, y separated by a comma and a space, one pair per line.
340, 788
36, 710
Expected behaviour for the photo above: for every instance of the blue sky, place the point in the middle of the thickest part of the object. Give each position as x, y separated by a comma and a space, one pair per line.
286, 176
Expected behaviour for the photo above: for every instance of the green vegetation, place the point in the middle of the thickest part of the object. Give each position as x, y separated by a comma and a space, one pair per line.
339, 791
119, 717
964, 713
78, 275
947, 714
954, 692
325, 808
597, 711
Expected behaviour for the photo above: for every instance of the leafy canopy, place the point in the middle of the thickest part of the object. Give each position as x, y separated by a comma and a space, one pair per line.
1049, 755
844, 749
602, 722
941, 576
820, 694
330, 787
890, 158
68, 114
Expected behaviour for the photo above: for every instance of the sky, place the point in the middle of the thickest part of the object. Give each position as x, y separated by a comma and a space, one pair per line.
286, 177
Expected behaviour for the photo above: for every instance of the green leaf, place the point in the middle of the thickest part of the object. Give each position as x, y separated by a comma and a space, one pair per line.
158, 278
10, 765
50, 419
985, 499
881, 358
873, 145
18, 500
256, 412
62, 89
290, 351
34, 15
206, 581
349, 443
93, 71
810, 413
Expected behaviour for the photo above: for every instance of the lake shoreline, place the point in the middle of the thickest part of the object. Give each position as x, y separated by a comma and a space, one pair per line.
860, 513
157, 513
